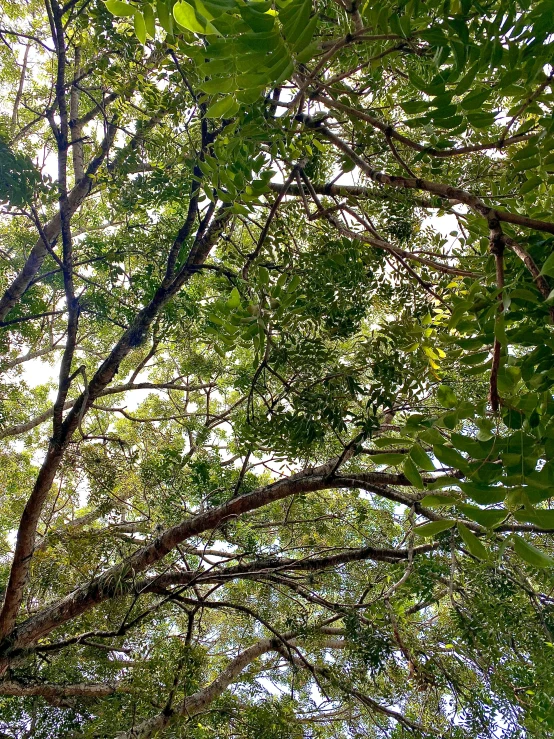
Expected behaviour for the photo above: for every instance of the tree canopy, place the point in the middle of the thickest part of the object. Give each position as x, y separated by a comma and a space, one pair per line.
276, 377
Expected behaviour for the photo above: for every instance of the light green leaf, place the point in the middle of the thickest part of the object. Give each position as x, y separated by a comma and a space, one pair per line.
234, 299
140, 27
389, 459
218, 85
429, 530
548, 266
149, 20
189, 18
116, 7
227, 107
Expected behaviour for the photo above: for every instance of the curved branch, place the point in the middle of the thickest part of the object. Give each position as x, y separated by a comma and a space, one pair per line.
392, 133
435, 188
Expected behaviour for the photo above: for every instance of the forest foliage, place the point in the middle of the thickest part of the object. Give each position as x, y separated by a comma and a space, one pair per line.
276, 377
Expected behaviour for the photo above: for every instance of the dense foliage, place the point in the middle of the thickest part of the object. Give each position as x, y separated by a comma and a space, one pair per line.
276, 378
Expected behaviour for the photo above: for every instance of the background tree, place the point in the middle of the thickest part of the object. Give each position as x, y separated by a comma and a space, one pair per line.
293, 475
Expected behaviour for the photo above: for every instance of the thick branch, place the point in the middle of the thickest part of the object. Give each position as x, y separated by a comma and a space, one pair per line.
131, 339
57, 695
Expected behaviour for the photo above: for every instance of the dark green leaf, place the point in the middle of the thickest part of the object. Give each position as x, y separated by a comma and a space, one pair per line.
473, 544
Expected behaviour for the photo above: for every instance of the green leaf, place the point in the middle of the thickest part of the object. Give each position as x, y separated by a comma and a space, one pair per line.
421, 458
500, 330
472, 542
303, 56
460, 54
429, 530
140, 27
481, 120
266, 42
294, 18
484, 495
212, 9
435, 37
532, 183
414, 106
226, 107
548, 266
394, 25
451, 420
467, 80
218, 85
391, 459
216, 67
459, 312
470, 446
538, 517
412, 473
531, 554
473, 359
306, 35
234, 299
487, 518
431, 436
165, 17
189, 18
444, 481
450, 457
149, 20
119, 8
475, 100
524, 294
446, 396
525, 164
258, 22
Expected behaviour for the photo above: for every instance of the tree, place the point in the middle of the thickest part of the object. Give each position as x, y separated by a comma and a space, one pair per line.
293, 475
